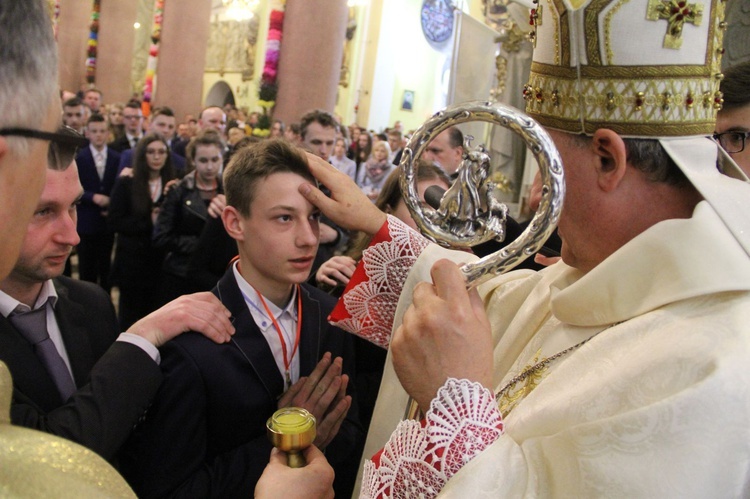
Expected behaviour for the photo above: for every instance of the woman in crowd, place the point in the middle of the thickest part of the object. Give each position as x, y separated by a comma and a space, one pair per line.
277, 130
185, 211
116, 125
339, 159
371, 177
354, 133
363, 149
133, 210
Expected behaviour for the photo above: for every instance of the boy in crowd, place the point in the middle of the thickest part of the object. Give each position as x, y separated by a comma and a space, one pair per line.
205, 434
97, 168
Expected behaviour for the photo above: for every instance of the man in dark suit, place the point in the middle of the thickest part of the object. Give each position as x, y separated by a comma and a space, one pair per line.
73, 376
161, 121
97, 169
205, 434
132, 118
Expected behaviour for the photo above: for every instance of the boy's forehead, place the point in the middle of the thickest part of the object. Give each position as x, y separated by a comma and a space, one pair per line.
281, 188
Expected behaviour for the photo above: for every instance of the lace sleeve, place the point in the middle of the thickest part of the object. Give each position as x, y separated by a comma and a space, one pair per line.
369, 301
420, 458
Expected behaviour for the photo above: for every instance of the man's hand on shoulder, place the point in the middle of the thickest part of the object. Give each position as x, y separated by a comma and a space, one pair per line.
201, 312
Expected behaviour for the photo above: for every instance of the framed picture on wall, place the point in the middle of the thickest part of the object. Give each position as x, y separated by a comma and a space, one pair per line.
407, 103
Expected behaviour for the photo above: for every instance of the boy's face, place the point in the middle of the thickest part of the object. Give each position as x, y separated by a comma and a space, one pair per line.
280, 237
97, 132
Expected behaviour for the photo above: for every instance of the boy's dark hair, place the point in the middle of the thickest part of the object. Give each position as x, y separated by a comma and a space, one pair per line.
736, 86
133, 104
73, 102
251, 164
96, 118
324, 118
162, 111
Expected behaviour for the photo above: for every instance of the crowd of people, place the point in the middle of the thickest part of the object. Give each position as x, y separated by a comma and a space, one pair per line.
609, 373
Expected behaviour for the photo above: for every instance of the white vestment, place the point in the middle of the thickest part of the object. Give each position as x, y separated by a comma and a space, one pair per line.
655, 404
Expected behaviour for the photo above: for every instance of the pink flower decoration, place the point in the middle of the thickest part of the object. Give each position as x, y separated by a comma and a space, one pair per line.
272, 57
274, 34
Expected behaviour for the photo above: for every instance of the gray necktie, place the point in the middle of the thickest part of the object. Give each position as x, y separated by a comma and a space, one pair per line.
33, 326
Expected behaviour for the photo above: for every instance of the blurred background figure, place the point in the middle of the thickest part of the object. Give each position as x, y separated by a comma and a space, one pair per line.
134, 208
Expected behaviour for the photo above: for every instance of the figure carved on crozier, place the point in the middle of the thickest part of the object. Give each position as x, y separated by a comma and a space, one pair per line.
469, 207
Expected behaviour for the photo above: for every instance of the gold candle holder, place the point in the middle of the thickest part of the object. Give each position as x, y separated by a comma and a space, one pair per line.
292, 430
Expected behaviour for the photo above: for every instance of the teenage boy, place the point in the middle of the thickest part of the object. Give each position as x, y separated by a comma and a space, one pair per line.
97, 168
205, 435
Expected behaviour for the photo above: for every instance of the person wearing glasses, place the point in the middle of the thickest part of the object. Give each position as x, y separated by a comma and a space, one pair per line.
733, 120
132, 118
134, 207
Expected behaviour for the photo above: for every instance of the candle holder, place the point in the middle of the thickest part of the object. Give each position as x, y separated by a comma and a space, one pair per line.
292, 430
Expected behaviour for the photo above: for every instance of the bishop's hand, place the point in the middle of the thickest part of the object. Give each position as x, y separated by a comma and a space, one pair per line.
445, 334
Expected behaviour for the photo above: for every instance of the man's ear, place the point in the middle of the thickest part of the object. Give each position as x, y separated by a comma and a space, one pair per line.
610, 148
231, 219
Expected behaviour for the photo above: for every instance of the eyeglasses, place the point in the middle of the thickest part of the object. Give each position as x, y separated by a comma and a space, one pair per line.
732, 141
63, 144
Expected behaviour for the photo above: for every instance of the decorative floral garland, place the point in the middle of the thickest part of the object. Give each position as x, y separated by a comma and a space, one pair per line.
55, 6
268, 84
153, 56
93, 40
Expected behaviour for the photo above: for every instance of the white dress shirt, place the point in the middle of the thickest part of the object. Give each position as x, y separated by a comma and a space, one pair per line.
286, 318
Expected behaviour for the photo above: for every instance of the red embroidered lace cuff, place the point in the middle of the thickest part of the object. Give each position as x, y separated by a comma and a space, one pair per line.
420, 457
369, 302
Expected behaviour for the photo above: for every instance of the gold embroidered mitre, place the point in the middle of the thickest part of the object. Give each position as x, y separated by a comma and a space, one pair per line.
643, 68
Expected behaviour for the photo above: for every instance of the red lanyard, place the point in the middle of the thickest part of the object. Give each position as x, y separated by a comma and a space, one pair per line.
287, 363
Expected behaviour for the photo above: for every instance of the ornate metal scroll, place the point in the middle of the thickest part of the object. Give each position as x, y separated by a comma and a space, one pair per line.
469, 213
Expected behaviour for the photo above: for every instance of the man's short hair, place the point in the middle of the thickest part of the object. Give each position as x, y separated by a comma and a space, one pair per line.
649, 157
397, 133
74, 102
133, 105
162, 111
455, 137
96, 118
736, 86
89, 90
28, 65
324, 118
251, 164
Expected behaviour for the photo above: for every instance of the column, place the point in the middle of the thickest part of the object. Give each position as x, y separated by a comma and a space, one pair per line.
72, 42
310, 59
115, 59
182, 56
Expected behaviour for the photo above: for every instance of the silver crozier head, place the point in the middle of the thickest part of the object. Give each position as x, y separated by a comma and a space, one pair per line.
469, 212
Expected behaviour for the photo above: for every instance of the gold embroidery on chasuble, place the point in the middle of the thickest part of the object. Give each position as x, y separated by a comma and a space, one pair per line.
517, 389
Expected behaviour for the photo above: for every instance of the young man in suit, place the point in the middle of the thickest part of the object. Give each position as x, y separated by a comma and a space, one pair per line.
73, 376
132, 118
97, 169
205, 433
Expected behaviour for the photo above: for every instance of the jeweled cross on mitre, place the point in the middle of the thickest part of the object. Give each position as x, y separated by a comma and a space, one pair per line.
676, 13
